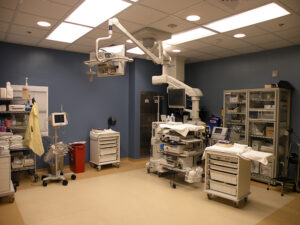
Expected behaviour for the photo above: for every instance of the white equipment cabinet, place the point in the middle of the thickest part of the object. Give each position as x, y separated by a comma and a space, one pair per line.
104, 148
227, 176
6, 186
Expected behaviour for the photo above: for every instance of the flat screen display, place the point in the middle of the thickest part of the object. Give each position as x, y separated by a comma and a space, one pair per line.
218, 130
59, 118
176, 98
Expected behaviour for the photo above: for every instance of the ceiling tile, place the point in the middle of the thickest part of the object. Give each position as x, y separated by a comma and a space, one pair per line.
250, 31
30, 21
169, 6
211, 49
249, 49
226, 53
295, 40
53, 44
281, 23
206, 11
261, 39
276, 44
181, 25
44, 8
6, 14
20, 39
79, 48
225, 41
9, 4
2, 36
86, 42
292, 4
193, 44
129, 26
237, 6
3, 26
289, 33
66, 2
141, 14
28, 31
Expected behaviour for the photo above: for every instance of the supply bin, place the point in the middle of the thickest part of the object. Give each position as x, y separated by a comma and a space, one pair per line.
77, 157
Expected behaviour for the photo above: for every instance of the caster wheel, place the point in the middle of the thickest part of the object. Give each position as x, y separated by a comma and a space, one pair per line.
174, 186
11, 199
159, 174
117, 165
45, 183
246, 199
43, 177
65, 182
148, 170
282, 195
268, 188
36, 178
236, 204
209, 196
98, 168
73, 177
61, 173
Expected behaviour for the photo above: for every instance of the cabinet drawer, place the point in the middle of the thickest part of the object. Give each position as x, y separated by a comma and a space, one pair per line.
4, 163
223, 169
222, 163
224, 188
108, 142
224, 158
108, 151
105, 158
223, 177
114, 145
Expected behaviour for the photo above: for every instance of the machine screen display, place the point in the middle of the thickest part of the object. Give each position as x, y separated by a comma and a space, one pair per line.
218, 130
176, 98
59, 118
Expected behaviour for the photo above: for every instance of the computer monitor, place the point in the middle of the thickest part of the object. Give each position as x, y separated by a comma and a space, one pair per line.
176, 98
59, 119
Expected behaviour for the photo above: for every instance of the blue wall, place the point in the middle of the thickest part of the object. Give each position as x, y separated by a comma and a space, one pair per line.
88, 105
246, 71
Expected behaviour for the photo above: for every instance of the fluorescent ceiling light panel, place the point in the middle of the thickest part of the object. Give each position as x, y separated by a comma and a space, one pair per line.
254, 16
43, 23
67, 32
189, 35
136, 51
94, 12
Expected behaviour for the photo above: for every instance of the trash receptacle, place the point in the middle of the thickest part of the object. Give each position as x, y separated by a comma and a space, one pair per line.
77, 157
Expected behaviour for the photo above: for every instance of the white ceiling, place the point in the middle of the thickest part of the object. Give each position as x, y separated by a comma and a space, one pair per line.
18, 20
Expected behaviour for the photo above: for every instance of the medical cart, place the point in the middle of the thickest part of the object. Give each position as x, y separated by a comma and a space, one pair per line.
227, 176
104, 148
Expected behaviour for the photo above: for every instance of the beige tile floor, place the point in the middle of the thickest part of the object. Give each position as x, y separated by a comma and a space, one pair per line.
10, 213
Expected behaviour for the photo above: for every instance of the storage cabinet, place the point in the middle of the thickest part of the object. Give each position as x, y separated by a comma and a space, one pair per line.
104, 148
6, 187
227, 176
266, 123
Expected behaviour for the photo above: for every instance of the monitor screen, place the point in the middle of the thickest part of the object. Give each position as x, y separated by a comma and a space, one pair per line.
60, 118
176, 98
218, 130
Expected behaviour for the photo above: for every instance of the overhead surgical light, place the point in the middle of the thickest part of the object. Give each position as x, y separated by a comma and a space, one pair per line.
189, 35
254, 16
67, 32
94, 12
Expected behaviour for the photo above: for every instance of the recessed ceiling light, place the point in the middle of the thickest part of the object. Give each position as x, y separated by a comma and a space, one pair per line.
67, 32
239, 35
136, 51
254, 16
176, 50
193, 18
43, 23
129, 41
134, 0
94, 12
189, 35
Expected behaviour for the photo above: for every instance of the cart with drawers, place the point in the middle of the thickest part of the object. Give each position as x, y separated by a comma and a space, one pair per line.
104, 148
227, 176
